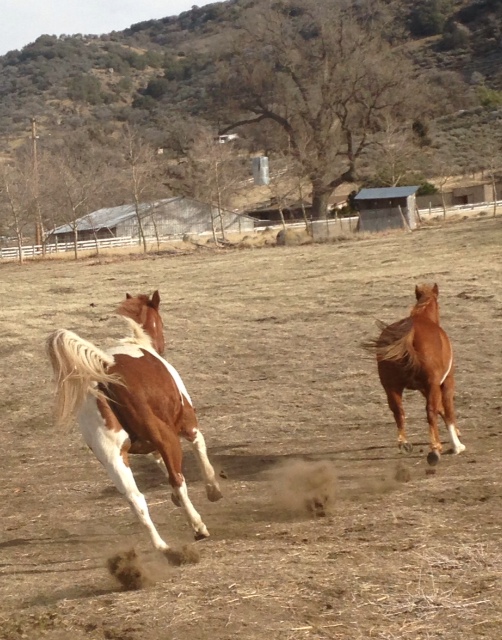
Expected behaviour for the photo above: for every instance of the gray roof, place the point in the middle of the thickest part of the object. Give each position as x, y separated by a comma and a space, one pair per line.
111, 217
385, 192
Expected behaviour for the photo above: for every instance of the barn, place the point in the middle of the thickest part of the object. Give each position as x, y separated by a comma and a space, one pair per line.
387, 208
170, 217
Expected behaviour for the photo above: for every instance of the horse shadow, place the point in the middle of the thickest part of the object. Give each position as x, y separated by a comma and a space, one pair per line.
232, 464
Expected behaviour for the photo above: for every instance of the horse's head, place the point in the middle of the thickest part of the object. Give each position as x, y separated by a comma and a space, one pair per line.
427, 301
145, 311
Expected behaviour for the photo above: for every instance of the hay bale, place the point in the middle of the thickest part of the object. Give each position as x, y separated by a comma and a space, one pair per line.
293, 237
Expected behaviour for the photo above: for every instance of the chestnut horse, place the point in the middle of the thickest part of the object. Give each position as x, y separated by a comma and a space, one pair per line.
128, 399
415, 353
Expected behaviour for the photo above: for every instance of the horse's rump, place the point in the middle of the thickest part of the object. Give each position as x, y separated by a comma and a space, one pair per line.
150, 391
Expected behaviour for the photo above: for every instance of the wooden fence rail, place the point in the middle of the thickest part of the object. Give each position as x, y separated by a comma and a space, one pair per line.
32, 251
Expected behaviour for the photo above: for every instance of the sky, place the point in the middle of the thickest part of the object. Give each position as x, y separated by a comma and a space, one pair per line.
23, 21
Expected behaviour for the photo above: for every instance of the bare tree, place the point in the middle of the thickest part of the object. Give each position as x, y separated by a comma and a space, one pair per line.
488, 153
394, 155
213, 173
141, 179
18, 200
286, 184
76, 174
325, 75
443, 170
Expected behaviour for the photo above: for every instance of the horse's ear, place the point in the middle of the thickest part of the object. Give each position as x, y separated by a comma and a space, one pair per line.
418, 292
155, 299
128, 296
435, 289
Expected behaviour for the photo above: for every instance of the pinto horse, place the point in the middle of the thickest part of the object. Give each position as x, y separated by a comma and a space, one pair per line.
416, 353
128, 399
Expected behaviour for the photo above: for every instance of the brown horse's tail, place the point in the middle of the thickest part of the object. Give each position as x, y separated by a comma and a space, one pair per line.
79, 366
395, 344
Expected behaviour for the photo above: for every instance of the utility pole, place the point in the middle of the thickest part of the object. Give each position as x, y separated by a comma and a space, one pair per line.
39, 239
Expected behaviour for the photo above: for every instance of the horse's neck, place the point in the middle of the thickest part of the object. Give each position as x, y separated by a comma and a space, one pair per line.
428, 309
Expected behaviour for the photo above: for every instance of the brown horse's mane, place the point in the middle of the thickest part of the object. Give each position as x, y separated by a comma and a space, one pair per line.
134, 308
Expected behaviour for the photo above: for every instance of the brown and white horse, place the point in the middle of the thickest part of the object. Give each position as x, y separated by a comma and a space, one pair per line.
128, 399
416, 353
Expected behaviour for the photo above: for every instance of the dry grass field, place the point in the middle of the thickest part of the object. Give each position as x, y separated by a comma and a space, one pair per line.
268, 342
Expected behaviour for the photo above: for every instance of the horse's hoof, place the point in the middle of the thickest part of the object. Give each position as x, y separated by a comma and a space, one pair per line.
406, 447
176, 500
433, 457
213, 493
201, 535
457, 450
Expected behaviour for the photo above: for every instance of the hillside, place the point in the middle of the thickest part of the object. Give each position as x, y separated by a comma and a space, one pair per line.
160, 69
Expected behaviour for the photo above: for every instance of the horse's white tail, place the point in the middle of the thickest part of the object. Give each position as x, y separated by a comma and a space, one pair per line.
78, 367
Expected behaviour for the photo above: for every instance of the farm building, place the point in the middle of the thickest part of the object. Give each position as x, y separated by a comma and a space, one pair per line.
464, 195
269, 214
386, 208
170, 217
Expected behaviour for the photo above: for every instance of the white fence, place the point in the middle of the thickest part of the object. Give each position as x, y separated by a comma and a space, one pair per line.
458, 208
32, 251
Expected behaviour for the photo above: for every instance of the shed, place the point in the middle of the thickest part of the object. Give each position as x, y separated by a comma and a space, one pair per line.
387, 208
170, 217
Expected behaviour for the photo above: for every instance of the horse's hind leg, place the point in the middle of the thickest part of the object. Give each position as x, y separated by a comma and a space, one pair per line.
395, 402
434, 407
110, 445
195, 437
448, 415
170, 450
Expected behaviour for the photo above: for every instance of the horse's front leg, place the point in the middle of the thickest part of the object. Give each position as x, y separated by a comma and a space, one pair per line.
395, 402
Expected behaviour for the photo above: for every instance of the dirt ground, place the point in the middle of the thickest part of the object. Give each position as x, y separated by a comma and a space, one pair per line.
268, 342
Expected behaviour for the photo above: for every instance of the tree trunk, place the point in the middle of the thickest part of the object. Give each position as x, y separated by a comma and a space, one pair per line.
320, 197
96, 243
156, 231
494, 194
281, 213
19, 238
75, 240
213, 227
304, 213
443, 203
141, 234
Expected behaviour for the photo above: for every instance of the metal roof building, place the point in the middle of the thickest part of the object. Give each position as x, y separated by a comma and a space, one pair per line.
386, 208
169, 217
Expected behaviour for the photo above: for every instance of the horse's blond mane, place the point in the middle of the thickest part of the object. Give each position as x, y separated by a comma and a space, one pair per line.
139, 336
